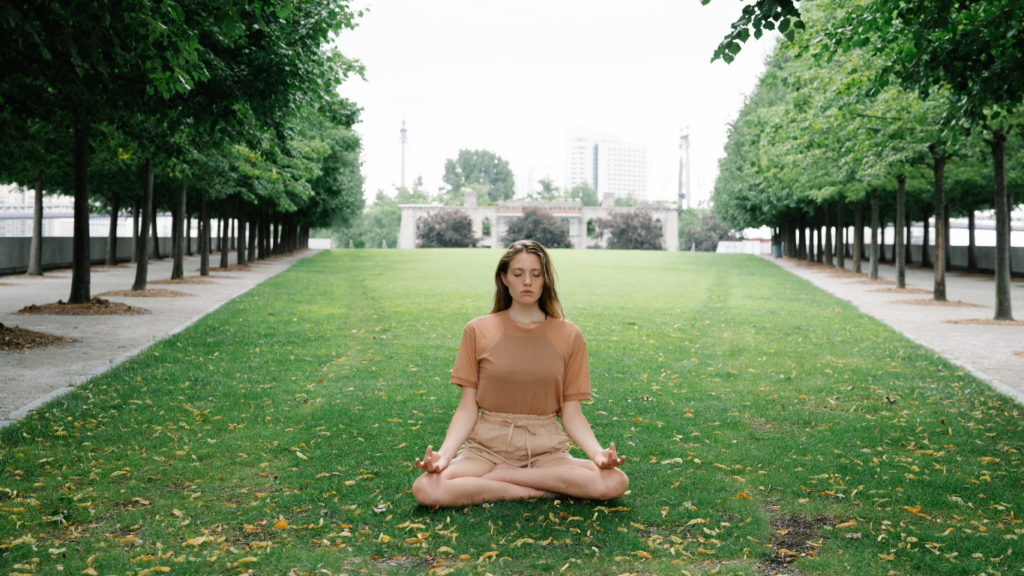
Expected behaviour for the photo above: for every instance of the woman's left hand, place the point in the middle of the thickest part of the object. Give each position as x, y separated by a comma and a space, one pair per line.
607, 458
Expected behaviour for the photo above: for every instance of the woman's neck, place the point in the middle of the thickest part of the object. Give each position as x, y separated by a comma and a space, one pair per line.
526, 316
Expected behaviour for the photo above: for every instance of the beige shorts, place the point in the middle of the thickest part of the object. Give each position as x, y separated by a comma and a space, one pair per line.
520, 440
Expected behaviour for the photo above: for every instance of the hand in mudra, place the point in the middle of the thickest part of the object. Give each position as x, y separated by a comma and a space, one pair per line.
433, 461
607, 458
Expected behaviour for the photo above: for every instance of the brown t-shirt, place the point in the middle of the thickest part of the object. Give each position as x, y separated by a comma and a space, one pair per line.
519, 370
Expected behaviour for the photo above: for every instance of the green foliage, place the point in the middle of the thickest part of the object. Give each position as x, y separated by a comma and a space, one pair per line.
705, 236
627, 201
479, 167
378, 223
748, 375
446, 229
540, 226
548, 191
585, 193
635, 230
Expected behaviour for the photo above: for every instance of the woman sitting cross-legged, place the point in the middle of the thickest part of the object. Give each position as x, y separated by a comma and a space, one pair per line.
519, 368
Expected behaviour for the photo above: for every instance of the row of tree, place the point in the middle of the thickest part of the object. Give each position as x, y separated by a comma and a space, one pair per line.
910, 108
200, 108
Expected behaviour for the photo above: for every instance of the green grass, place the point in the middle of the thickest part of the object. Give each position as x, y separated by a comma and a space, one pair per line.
773, 395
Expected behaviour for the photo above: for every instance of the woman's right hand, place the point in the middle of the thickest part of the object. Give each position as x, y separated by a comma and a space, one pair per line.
433, 461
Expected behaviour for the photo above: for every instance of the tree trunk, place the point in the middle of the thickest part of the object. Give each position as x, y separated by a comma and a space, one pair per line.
939, 171
945, 237
901, 249
204, 237
840, 237
135, 230
188, 234
115, 211
156, 238
275, 236
142, 268
829, 248
926, 254
240, 241
1004, 307
178, 268
253, 227
81, 258
819, 231
35, 251
261, 236
906, 216
874, 235
858, 236
224, 235
972, 248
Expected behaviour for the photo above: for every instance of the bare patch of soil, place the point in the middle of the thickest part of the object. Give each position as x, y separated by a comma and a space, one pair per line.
415, 563
986, 322
794, 537
1021, 353
879, 282
149, 293
14, 338
3, 284
901, 291
185, 280
931, 302
94, 307
974, 275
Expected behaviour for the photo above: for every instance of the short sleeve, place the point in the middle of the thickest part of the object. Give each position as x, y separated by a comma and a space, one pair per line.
466, 372
577, 372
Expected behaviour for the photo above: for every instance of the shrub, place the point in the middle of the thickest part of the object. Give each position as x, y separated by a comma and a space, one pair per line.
539, 226
446, 229
634, 230
708, 235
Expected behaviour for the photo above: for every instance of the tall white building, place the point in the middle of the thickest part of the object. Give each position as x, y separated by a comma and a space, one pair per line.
606, 163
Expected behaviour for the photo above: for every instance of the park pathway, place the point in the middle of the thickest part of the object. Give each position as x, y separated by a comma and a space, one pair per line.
30, 378
993, 353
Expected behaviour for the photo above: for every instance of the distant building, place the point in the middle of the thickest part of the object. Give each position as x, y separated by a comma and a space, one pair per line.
606, 163
577, 219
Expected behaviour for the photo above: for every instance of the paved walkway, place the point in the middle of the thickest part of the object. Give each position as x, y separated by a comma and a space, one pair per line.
32, 377
993, 353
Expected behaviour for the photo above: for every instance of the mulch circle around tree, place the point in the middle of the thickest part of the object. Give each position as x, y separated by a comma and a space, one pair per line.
901, 291
931, 302
14, 338
231, 268
94, 307
880, 281
150, 293
986, 322
1021, 353
185, 280
2, 284
973, 275
47, 276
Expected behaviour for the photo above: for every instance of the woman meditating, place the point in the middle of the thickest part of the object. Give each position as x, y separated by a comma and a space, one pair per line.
519, 368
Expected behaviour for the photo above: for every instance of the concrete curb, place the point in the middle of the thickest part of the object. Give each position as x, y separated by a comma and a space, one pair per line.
25, 410
994, 383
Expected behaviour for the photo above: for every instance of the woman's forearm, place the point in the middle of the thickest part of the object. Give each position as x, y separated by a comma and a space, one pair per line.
577, 427
462, 424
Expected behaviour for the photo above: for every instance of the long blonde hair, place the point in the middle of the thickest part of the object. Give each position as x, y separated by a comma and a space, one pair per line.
548, 302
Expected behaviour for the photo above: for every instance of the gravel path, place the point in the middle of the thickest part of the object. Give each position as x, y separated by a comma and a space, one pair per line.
32, 377
993, 353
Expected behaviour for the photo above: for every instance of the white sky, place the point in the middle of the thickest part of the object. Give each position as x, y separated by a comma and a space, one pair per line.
513, 77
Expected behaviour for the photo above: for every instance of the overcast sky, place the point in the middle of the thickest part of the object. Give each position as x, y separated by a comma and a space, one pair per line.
514, 77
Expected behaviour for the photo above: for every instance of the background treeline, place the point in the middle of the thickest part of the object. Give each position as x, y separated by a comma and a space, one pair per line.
207, 109
875, 113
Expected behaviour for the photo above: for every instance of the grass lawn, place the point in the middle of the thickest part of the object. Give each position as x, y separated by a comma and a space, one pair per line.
762, 418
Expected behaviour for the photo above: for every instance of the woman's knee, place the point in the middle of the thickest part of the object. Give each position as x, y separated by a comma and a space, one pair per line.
427, 490
614, 484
